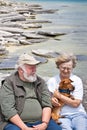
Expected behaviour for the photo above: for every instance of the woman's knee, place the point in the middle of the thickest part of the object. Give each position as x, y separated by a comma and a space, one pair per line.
53, 125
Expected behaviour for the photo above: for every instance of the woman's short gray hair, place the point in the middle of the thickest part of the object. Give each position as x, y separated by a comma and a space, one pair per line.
65, 57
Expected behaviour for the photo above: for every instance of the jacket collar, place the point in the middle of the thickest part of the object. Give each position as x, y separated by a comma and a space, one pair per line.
19, 82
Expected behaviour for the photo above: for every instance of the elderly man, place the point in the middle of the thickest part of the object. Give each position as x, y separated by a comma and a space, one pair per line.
25, 100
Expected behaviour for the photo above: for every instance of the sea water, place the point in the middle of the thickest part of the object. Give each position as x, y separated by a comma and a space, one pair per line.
71, 18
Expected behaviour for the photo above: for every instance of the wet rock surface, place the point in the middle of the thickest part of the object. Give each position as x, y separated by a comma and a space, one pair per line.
16, 19
45, 53
85, 94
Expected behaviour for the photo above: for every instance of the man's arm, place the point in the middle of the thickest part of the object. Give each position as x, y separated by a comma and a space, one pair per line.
18, 122
46, 115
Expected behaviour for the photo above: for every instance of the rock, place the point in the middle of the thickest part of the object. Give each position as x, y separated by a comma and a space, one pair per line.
4, 11
12, 30
37, 40
8, 64
12, 18
31, 41
26, 26
5, 3
46, 11
81, 57
45, 53
37, 21
3, 50
33, 36
12, 42
24, 42
51, 34
85, 94
4, 33
27, 8
41, 59
10, 24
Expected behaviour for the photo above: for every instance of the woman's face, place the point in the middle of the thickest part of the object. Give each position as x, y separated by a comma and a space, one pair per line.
65, 69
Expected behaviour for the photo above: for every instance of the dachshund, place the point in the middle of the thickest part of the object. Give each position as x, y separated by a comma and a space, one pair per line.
65, 87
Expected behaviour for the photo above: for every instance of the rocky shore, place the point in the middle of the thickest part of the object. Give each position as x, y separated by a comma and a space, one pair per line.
19, 27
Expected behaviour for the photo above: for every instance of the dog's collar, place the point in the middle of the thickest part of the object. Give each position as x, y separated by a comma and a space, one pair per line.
64, 91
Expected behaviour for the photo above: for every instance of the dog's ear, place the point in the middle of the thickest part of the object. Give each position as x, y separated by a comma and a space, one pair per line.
66, 81
63, 82
70, 80
71, 88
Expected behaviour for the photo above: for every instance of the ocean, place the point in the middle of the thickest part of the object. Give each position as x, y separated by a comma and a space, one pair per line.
54, 0
71, 19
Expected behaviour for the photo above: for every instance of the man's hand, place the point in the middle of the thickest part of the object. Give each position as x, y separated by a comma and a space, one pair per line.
42, 126
28, 128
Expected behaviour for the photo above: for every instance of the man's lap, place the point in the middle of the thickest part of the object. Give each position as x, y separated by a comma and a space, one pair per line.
52, 125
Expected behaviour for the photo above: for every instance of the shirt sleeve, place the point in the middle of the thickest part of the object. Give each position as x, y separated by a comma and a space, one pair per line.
78, 92
52, 84
45, 96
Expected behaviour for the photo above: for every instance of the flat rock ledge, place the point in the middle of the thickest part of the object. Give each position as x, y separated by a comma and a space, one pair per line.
54, 54
42, 55
19, 26
17, 19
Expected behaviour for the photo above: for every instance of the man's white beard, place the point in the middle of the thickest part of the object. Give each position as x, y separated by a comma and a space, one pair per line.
30, 78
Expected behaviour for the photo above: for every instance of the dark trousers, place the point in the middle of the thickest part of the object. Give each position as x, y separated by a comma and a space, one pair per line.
51, 126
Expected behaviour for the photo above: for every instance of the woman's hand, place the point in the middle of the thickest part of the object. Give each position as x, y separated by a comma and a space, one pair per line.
57, 94
55, 102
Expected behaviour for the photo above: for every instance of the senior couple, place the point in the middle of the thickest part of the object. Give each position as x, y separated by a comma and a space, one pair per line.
25, 101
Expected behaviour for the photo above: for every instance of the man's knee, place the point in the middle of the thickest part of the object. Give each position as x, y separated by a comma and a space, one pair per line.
11, 127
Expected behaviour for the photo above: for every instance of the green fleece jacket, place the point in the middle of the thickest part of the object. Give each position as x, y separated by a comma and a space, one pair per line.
13, 92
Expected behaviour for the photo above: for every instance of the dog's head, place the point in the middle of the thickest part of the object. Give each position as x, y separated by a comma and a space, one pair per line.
65, 84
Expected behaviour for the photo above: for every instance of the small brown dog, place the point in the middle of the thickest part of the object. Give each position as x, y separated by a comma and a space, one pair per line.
65, 87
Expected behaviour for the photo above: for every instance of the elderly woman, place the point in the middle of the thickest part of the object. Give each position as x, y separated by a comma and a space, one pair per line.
73, 111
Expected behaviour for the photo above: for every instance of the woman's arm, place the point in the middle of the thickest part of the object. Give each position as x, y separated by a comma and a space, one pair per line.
66, 100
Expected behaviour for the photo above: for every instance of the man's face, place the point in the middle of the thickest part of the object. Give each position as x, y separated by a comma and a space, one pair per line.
66, 69
29, 72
